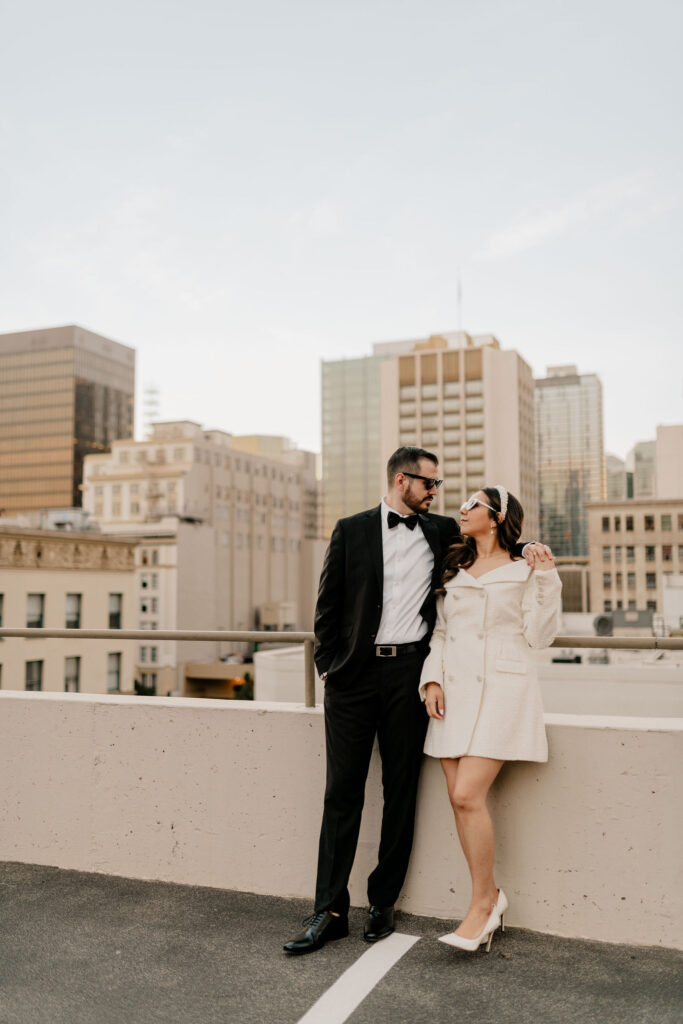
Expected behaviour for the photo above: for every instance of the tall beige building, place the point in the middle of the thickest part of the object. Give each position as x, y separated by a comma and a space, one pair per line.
460, 396
669, 461
65, 392
223, 531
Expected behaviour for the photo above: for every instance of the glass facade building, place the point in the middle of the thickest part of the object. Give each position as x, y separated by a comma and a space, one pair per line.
570, 456
352, 459
64, 393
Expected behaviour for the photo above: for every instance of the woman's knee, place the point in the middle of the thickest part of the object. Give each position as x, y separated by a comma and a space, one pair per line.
465, 799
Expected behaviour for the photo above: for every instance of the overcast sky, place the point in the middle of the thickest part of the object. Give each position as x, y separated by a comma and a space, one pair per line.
239, 190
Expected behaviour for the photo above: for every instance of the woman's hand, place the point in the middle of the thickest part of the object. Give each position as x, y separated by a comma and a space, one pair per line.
434, 700
539, 557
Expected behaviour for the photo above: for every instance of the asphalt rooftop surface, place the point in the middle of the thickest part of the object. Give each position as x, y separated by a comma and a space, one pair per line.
81, 948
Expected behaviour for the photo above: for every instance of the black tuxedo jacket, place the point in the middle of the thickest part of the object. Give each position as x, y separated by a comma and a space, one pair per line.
349, 607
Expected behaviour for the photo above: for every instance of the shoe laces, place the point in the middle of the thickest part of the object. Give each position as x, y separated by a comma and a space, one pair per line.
314, 918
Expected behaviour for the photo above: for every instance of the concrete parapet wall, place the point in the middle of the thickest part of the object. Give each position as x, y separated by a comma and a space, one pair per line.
229, 795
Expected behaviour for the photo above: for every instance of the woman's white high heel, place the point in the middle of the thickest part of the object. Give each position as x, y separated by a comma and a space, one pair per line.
470, 945
501, 906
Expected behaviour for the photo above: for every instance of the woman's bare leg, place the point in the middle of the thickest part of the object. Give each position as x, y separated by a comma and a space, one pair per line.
469, 780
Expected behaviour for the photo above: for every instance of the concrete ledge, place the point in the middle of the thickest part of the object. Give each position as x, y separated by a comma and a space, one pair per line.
229, 795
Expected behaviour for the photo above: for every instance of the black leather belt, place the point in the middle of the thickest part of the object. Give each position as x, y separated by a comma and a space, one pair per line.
396, 650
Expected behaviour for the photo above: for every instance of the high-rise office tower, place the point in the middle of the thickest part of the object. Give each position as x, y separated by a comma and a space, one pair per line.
570, 456
642, 463
461, 397
351, 453
65, 393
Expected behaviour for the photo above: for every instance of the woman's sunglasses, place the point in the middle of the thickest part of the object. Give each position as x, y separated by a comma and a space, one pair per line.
473, 502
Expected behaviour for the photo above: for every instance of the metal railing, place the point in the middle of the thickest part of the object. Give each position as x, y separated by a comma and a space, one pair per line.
623, 643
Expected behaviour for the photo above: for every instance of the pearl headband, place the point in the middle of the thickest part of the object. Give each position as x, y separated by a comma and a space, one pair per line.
503, 495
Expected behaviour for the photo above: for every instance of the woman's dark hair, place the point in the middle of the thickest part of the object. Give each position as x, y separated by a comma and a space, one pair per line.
462, 554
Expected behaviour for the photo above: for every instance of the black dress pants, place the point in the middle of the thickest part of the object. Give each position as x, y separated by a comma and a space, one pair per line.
382, 701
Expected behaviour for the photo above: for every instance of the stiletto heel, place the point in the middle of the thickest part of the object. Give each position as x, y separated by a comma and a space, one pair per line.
471, 945
501, 906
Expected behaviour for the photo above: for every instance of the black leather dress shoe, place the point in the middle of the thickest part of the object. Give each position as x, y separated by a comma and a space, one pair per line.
378, 924
318, 929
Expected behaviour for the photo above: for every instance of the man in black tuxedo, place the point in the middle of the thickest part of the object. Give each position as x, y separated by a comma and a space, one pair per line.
375, 614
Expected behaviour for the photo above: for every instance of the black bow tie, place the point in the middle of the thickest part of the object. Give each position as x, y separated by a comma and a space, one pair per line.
394, 519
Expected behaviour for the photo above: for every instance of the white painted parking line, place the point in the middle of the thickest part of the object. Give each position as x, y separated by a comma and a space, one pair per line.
339, 1002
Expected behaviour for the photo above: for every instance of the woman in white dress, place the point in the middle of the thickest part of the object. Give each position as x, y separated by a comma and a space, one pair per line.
479, 683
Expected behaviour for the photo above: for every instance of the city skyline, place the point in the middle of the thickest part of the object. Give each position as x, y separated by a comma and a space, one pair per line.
265, 188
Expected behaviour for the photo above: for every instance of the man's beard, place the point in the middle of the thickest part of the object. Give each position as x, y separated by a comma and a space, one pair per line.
415, 503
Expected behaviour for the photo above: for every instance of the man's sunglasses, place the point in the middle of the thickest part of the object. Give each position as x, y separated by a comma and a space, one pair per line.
429, 481
473, 502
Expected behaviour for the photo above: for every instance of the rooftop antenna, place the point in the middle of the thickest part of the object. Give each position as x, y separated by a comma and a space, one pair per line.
459, 301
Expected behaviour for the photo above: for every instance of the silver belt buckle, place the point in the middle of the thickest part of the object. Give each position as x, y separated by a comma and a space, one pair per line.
385, 651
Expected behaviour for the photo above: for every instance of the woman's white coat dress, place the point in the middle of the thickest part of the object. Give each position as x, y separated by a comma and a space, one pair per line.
480, 655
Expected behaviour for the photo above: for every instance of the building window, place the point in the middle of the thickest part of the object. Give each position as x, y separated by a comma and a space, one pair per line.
143, 654
155, 580
2, 598
153, 653
155, 605
630, 554
607, 606
155, 556
667, 553
116, 490
72, 675
35, 608
113, 673
652, 606
34, 675
606, 554
631, 580
649, 522
607, 580
605, 524
144, 557
73, 611
666, 523
629, 524
680, 521
115, 609
631, 605
649, 553
617, 554
135, 508
651, 580
680, 559
617, 523
620, 579
116, 509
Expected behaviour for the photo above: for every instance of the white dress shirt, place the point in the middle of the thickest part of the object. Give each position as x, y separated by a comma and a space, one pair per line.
408, 566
